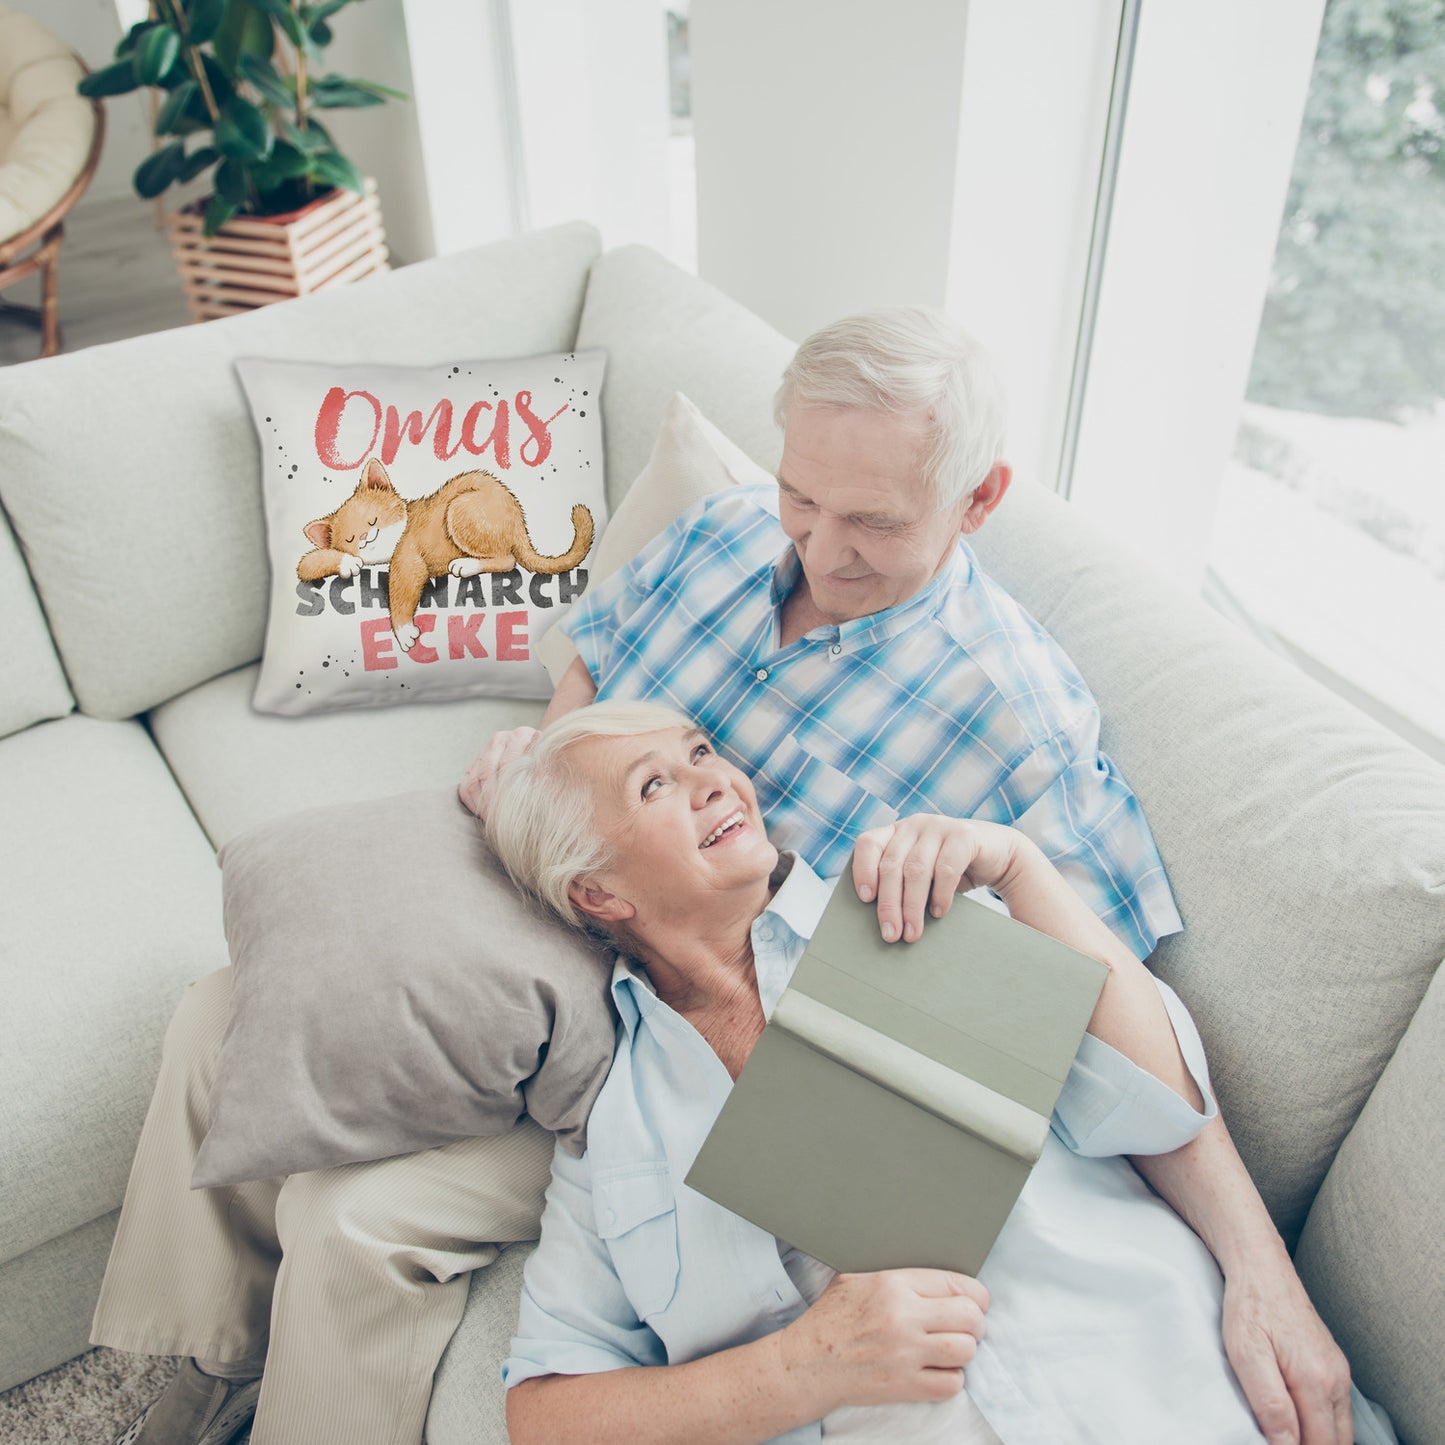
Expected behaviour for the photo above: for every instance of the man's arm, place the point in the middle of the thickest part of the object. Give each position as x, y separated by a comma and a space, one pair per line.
1295, 1377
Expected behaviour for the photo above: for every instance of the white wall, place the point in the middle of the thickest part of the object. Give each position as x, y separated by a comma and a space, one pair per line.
827, 144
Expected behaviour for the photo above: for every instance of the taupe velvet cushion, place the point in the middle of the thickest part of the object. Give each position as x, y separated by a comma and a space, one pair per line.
393, 993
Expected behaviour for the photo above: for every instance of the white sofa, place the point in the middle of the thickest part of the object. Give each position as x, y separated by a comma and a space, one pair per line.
1305, 845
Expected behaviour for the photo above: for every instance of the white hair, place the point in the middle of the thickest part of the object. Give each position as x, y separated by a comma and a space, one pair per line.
908, 360
542, 820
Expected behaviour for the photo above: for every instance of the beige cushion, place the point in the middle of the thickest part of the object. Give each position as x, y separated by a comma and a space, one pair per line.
691, 459
35, 688
664, 331
239, 768
110, 905
1373, 1250
46, 130
1302, 842
178, 593
393, 992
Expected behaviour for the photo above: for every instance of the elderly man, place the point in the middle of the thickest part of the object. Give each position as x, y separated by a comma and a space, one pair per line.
839, 642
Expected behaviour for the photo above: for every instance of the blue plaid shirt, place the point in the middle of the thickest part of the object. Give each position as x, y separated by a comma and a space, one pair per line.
954, 702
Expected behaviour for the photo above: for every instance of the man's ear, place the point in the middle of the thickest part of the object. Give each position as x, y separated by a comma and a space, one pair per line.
986, 496
596, 902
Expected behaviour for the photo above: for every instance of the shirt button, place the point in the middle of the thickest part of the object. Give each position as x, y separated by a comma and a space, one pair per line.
836, 648
761, 674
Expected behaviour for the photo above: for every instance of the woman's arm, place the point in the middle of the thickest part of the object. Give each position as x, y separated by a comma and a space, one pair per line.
903, 1334
917, 865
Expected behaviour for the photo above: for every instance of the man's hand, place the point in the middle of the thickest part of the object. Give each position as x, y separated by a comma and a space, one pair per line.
475, 788
916, 865
1295, 1377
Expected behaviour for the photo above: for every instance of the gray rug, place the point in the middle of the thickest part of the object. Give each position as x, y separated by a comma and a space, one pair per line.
86, 1402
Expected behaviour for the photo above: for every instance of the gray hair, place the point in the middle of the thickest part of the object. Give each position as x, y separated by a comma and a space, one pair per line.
908, 360
542, 823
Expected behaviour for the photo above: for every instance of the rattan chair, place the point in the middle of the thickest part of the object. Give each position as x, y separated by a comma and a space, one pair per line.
50, 139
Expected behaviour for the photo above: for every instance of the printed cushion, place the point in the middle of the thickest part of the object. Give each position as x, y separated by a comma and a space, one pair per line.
393, 992
426, 526
691, 459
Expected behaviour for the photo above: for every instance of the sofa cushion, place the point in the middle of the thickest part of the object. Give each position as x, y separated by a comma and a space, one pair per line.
1372, 1254
393, 998
1302, 841
426, 525
177, 584
111, 905
239, 767
664, 331
35, 687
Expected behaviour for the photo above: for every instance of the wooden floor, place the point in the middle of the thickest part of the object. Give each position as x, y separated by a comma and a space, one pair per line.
117, 279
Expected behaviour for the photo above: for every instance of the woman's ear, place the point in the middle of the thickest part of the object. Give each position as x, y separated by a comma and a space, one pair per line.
596, 902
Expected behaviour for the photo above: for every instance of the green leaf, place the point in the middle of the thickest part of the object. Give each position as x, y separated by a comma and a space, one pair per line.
174, 110
117, 79
287, 163
333, 92
320, 36
198, 161
285, 17
231, 182
218, 212
222, 85
244, 31
131, 38
242, 131
333, 168
278, 89
157, 171
311, 14
313, 140
203, 19
158, 50
378, 89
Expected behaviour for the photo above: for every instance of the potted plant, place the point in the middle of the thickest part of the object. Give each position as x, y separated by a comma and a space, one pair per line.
239, 85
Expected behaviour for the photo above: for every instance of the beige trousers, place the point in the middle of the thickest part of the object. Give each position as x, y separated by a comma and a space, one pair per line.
349, 1281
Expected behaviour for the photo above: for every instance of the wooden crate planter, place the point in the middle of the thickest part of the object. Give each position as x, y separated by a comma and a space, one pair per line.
255, 260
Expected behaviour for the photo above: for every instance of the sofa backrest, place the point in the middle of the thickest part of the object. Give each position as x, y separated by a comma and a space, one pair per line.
34, 689
1302, 841
132, 476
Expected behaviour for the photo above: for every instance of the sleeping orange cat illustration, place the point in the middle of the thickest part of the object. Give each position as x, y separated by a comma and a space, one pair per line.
473, 523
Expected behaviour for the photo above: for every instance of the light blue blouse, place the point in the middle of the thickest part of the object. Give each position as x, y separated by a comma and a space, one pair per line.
1105, 1316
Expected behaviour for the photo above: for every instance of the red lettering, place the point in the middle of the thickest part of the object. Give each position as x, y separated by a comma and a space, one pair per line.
414, 429
498, 438
540, 439
420, 652
328, 427
512, 637
376, 641
462, 638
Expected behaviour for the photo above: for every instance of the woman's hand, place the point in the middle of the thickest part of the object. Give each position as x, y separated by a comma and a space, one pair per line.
918, 864
897, 1335
475, 788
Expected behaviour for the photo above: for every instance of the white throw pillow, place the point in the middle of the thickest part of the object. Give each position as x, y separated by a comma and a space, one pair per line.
691, 459
426, 525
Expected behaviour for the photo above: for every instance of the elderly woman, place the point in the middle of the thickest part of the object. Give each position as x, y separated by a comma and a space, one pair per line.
653, 1314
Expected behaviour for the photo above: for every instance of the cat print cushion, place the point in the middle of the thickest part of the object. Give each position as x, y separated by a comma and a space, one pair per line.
427, 526
364, 1025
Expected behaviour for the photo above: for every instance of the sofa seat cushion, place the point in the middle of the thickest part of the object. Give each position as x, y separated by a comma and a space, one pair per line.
180, 588
111, 905
664, 331
239, 767
1302, 842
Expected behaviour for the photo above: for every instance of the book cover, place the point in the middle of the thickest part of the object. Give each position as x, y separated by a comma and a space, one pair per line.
900, 1094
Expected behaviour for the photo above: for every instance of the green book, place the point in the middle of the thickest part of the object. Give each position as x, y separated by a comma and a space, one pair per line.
900, 1094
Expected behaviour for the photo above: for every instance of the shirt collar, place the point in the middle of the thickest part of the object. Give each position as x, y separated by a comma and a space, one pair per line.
878, 626
779, 933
